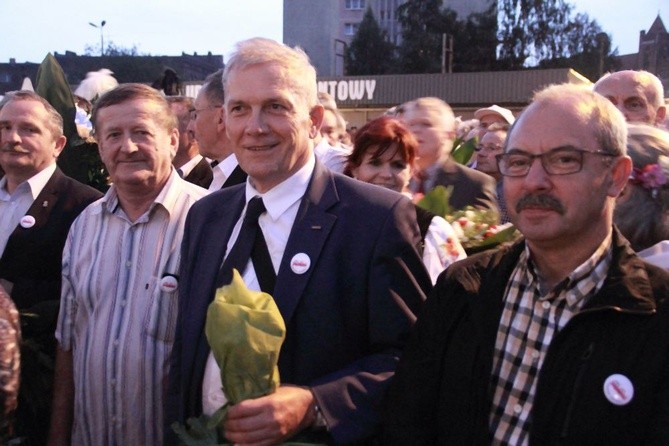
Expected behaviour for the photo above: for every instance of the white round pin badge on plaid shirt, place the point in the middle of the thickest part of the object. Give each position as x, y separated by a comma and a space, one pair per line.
618, 389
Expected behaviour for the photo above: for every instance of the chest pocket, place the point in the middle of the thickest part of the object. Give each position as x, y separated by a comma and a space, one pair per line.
160, 315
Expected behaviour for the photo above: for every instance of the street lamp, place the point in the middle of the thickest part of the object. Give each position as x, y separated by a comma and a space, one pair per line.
102, 41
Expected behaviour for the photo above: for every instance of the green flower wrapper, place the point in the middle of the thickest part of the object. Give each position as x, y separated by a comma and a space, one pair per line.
245, 331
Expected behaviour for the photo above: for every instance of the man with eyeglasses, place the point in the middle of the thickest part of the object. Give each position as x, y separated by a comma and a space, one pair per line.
561, 337
491, 145
639, 95
208, 124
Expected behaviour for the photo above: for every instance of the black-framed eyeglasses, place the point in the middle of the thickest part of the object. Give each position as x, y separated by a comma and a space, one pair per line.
195, 111
560, 161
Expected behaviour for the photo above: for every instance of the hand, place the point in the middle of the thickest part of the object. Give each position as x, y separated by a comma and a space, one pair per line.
270, 419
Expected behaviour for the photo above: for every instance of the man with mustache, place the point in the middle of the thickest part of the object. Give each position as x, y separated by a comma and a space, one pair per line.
120, 279
561, 337
38, 203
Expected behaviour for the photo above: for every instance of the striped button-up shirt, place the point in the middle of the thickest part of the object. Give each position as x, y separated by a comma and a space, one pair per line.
118, 314
530, 319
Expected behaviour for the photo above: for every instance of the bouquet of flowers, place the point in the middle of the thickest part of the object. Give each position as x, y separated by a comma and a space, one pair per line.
477, 229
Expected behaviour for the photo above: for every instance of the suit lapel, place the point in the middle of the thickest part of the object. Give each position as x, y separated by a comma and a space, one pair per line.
311, 229
41, 208
237, 176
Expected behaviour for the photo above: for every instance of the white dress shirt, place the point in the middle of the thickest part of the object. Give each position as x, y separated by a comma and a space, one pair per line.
222, 172
282, 203
15, 205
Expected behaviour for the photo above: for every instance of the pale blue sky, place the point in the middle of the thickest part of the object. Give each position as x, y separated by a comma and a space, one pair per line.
167, 27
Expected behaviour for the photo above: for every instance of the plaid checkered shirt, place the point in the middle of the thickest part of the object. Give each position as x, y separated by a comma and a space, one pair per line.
531, 317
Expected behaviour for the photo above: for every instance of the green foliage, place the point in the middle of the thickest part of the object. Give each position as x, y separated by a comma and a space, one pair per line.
463, 151
436, 201
112, 49
532, 32
425, 22
369, 51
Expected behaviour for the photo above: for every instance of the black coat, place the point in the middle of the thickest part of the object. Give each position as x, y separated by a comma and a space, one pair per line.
440, 393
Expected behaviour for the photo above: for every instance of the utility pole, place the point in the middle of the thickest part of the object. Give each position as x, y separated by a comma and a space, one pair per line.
446, 53
102, 40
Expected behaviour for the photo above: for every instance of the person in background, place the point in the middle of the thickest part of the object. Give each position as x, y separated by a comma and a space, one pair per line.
639, 95
327, 145
432, 122
492, 115
560, 338
383, 154
207, 123
489, 146
190, 165
642, 210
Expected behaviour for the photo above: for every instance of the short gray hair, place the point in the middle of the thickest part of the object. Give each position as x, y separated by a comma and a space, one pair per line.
298, 74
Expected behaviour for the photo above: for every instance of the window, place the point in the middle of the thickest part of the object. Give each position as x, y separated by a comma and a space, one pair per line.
350, 29
355, 4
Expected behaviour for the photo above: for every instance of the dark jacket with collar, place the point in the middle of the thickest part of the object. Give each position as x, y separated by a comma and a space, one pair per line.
440, 394
347, 317
470, 186
33, 256
201, 175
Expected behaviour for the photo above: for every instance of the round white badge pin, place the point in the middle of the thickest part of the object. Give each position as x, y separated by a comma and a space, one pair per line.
27, 221
300, 263
169, 284
618, 389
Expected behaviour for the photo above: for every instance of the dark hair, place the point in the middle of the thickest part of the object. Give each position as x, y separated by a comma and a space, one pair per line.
129, 92
379, 135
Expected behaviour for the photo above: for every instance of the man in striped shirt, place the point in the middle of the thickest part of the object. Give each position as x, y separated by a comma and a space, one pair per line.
119, 297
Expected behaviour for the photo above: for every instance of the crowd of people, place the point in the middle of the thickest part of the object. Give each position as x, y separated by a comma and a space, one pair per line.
393, 334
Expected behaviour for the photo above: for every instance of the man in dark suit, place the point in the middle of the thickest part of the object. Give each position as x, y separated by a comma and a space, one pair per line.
38, 203
208, 125
190, 165
432, 122
348, 276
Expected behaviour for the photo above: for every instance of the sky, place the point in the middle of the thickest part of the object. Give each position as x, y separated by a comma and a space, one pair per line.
30, 30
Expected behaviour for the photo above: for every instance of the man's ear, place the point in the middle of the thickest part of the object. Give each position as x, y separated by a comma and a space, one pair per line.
659, 116
59, 145
220, 125
620, 173
174, 142
316, 117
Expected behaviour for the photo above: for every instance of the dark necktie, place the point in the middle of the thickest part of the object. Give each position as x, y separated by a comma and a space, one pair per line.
214, 164
250, 244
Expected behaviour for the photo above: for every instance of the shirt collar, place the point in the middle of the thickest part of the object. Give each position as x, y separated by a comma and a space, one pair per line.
228, 165
35, 183
582, 283
282, 196
166, 198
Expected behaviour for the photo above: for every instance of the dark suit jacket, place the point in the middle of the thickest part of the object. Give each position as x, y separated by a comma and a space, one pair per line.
470, 187
32, 258
32, 262
238, 176
201, 174
347, 317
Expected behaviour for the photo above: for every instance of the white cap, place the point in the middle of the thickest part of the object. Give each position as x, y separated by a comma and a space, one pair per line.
504, 113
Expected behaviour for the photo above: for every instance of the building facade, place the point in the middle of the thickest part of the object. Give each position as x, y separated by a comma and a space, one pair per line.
324, 28
653, 54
